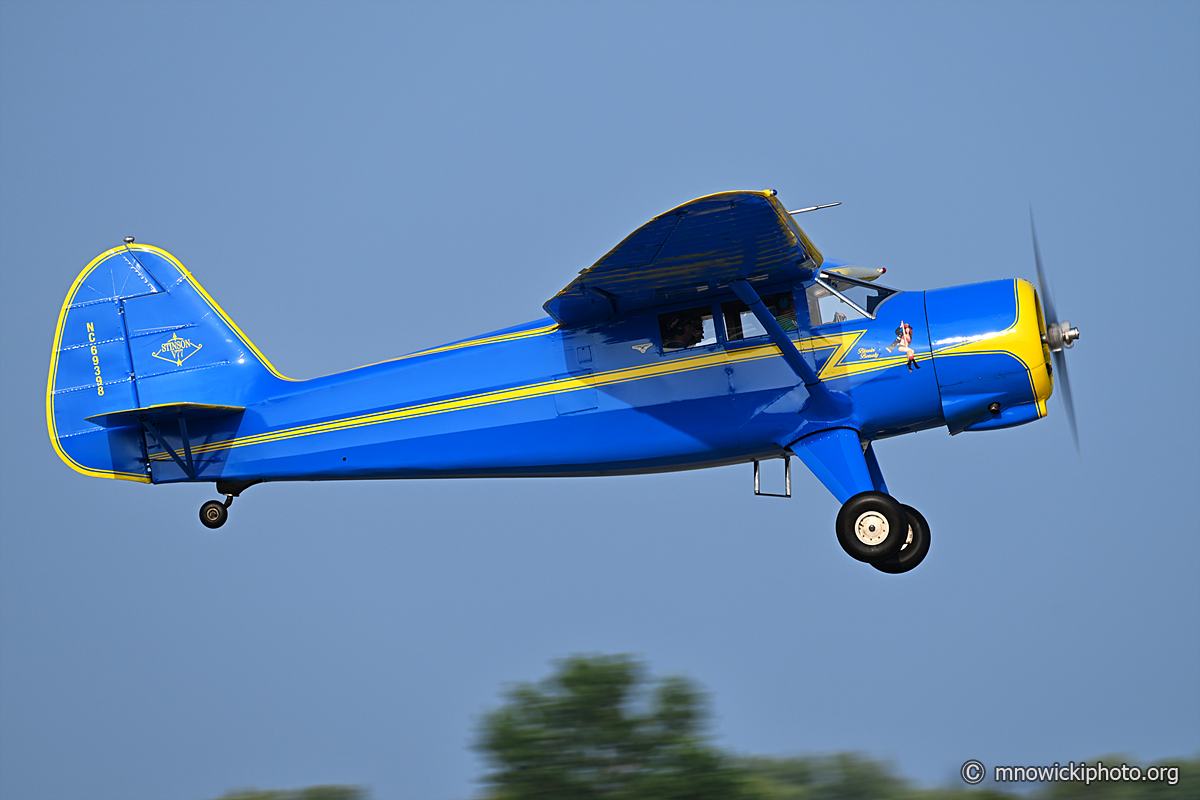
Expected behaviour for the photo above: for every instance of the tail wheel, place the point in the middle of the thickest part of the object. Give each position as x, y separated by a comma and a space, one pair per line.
213, 514
872, 526
914, 549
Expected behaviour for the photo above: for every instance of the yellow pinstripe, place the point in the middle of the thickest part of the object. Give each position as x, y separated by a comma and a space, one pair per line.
546, 388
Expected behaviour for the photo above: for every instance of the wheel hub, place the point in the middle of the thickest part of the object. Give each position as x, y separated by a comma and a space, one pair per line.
871, 528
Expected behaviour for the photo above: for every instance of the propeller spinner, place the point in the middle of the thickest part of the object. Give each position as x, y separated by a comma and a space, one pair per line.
1059, 336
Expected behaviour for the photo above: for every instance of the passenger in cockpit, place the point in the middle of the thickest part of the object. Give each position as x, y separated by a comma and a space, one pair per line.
785, 313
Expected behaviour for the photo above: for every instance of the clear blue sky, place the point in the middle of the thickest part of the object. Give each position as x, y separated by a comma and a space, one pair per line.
353, 181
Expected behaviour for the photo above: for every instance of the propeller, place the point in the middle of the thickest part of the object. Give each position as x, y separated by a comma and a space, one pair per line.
1059, 336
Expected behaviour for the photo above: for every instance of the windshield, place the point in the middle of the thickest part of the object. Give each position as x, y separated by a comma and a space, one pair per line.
834, 298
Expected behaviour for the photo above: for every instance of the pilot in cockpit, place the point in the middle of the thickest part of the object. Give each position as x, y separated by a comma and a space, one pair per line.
683, 331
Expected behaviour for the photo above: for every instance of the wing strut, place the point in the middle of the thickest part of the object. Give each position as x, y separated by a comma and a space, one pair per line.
787, 349
825, 405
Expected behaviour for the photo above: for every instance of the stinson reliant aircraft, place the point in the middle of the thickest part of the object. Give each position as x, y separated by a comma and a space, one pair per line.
714, 334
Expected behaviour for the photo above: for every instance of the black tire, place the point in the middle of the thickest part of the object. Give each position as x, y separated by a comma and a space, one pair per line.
213, 514
912, 552
872, 526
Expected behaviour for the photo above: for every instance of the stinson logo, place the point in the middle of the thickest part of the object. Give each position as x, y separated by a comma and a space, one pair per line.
176, 350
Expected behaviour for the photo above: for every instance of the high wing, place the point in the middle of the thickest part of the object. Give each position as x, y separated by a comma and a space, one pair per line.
689, 251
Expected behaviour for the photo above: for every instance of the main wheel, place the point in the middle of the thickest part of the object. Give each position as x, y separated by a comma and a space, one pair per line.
872, 526
213, 514
913, 551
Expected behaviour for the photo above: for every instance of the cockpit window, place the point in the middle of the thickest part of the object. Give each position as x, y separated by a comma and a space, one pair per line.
834, 298
740, 322
691, 327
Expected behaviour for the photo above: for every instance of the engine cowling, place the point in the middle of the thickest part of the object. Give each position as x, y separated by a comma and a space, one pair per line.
992, 365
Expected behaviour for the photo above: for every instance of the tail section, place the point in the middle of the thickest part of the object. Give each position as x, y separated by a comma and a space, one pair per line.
135, 331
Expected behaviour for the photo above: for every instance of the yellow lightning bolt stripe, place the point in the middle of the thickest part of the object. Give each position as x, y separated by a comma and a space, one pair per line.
843, 344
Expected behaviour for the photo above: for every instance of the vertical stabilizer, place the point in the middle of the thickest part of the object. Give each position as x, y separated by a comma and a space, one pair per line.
136, 331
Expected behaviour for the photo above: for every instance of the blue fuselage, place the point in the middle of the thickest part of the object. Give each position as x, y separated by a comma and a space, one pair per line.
536, 400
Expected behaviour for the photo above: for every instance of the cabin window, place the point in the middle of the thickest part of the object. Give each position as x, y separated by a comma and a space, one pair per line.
833, 298
690, 327
740, 322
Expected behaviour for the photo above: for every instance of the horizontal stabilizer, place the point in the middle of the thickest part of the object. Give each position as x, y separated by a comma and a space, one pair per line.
163, 413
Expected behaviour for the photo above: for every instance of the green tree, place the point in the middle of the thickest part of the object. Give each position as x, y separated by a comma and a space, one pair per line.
596, 729
310, 793
844, 776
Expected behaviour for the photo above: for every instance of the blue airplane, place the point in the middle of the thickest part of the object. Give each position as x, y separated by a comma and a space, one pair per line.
714, 334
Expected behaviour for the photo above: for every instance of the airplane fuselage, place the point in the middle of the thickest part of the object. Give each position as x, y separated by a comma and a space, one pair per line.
538, 400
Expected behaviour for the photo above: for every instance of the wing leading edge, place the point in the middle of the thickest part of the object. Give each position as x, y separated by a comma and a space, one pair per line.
688, 251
